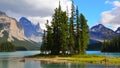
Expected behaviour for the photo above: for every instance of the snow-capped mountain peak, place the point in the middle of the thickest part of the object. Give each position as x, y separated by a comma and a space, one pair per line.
101, 32
97, 28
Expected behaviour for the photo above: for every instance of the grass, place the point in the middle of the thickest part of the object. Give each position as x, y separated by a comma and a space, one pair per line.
79, 59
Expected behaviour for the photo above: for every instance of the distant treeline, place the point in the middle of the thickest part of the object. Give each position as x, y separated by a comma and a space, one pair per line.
94, 46
7, 47
111, 45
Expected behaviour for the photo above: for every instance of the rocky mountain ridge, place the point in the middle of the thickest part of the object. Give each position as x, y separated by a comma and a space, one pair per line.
31, 31
100, 32
12, 27
12, 31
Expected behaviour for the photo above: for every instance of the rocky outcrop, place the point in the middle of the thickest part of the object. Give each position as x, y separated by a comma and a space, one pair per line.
11, 26
31, 31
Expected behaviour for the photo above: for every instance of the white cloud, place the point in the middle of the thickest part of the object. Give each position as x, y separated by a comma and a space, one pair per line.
35, 10
112, 17
116, 3
108, 2
41, 20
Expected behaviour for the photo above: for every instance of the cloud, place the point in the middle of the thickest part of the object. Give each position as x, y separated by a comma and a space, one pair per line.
41, 20
116, 3
112, 17
35, 10
108, 2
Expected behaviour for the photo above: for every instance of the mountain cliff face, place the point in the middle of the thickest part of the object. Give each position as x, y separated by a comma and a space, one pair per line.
11, 30
31, 31
12, 27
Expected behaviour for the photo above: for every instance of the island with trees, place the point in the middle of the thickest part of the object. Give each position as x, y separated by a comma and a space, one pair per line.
66, 40
66, 34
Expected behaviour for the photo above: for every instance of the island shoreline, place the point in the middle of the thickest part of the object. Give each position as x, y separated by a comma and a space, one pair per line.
79, 59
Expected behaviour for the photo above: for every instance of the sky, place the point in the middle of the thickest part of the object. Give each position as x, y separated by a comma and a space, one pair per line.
106, 12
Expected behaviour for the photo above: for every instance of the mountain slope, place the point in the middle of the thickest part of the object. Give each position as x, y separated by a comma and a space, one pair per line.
118, 30
100, 32
11, 26
31, 31
12, 31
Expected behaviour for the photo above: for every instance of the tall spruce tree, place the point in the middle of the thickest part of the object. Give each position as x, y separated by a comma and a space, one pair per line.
78, 33
84, 34
44, 42
59, 25
49, 37
71, 30
64, 32
56, 31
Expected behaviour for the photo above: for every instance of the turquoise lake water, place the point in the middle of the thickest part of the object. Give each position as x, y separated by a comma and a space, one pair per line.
13, 60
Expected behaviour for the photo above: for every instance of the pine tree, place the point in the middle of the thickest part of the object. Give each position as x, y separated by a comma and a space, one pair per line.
71, 31
60, 31
64, 32
43, 47
111, 45
56, 34
84, 34
49, 37
78, 33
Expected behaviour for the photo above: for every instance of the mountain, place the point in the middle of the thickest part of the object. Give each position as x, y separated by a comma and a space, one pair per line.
11, 26
31, 31
118, 30
12, 31
100, 32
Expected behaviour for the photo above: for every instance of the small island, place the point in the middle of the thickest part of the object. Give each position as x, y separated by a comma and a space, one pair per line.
64, 43
79, 59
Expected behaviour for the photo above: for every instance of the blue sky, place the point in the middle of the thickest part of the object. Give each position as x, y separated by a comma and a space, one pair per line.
92, 9
106, 12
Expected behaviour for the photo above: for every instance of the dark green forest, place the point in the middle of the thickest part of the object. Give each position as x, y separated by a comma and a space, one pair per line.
66, 35
111, 45
7, 47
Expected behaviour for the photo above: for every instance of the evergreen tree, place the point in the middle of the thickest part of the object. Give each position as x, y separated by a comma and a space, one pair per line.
7, 47
78, 33
60, 31
61, 36
56, 32
49, 37
64, 32
43, 47
111, 45
71, 31
84, 34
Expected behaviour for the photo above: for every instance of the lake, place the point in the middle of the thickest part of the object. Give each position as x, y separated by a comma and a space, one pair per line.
14, 60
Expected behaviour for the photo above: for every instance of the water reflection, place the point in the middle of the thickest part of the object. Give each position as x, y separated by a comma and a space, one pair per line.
40, 64
3, 64
61, 65
15, 60
11, 64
